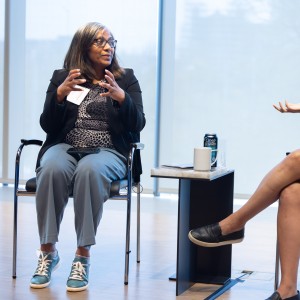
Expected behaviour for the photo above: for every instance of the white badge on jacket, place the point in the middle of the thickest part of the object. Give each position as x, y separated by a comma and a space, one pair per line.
77, 97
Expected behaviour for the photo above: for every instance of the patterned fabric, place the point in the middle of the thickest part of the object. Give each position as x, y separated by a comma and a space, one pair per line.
91, 127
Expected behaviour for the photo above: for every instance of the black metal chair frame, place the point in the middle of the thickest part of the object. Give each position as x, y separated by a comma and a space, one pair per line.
116, 193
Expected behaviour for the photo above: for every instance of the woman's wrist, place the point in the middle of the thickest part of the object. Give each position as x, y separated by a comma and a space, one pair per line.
60, 96
121, 97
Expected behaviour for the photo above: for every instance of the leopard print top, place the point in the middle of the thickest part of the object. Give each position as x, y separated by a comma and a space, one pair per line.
91, 127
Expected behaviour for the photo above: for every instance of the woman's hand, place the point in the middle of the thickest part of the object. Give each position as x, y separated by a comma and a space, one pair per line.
69, 85
113, 89
287, 107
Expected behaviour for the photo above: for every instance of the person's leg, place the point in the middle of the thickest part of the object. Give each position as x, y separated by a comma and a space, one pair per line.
92, 181
289, 239
284, 174
231, 229
53, 185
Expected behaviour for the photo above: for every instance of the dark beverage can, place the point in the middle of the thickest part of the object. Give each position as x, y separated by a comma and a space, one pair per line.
211, 140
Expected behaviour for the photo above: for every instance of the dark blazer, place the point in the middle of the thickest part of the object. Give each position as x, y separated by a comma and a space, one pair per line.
125, 121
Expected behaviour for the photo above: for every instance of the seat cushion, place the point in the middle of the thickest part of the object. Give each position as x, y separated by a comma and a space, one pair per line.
30, 185
116, 186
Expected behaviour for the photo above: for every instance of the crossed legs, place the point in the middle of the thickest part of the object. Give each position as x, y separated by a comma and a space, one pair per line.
283, 183
280, 183
280, 177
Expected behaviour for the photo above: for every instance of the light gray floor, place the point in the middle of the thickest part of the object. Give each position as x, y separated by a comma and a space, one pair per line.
147, 280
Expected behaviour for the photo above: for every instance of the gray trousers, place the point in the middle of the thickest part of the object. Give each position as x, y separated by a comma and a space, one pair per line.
59, 174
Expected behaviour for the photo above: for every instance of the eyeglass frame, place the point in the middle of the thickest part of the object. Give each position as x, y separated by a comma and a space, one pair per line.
104, 42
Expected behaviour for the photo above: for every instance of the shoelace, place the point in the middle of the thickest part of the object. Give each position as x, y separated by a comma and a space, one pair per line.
43, 265
78, 271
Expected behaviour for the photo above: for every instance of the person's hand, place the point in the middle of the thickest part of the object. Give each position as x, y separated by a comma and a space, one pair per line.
287, 107
69, 85
113, 89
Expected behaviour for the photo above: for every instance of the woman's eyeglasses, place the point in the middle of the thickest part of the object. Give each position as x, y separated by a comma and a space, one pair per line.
101, 42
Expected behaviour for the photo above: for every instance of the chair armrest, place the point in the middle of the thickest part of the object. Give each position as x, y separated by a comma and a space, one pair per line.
133, 147
31, 142
24, 142
138, 146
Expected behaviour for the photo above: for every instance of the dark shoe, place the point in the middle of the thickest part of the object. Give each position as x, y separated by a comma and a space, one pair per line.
276, 296
211, 236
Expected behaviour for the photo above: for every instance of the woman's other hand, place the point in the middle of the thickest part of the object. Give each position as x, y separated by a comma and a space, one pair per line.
113, 89
69, 85
287, 107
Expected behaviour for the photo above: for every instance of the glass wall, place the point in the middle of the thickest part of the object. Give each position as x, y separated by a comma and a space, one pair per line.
224, 64
233, 60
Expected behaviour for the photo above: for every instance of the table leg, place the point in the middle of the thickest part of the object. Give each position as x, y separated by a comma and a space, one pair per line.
185, 251
202, 202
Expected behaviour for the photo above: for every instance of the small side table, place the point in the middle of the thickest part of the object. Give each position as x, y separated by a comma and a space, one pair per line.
204, 198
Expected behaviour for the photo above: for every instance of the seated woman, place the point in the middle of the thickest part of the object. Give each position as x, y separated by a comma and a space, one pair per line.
109, 116
283, 183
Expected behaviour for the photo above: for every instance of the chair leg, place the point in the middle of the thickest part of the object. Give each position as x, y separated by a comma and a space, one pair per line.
127, 250
276, 267
138, 238
15, 235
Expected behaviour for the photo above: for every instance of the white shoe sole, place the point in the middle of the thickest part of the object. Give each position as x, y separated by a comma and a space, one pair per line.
72, 289
42, 286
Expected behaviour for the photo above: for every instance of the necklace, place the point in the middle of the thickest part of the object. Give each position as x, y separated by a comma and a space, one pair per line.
98, 81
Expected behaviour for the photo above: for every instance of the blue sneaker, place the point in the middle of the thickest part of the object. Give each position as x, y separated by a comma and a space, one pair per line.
48, 262
79, 276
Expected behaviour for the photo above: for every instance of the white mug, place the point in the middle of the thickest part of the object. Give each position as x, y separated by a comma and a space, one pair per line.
202, 159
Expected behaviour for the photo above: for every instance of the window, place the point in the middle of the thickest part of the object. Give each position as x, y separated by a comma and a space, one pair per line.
224, 64
233, 60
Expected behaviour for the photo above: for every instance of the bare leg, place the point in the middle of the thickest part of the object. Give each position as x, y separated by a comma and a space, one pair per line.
83, 251
48, 247
284, 174
289, 239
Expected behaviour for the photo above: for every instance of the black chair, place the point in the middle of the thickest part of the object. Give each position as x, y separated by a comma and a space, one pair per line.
120, 190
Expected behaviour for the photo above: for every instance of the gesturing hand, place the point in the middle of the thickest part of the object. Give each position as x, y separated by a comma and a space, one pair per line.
287, 107
69, 84
113, 89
